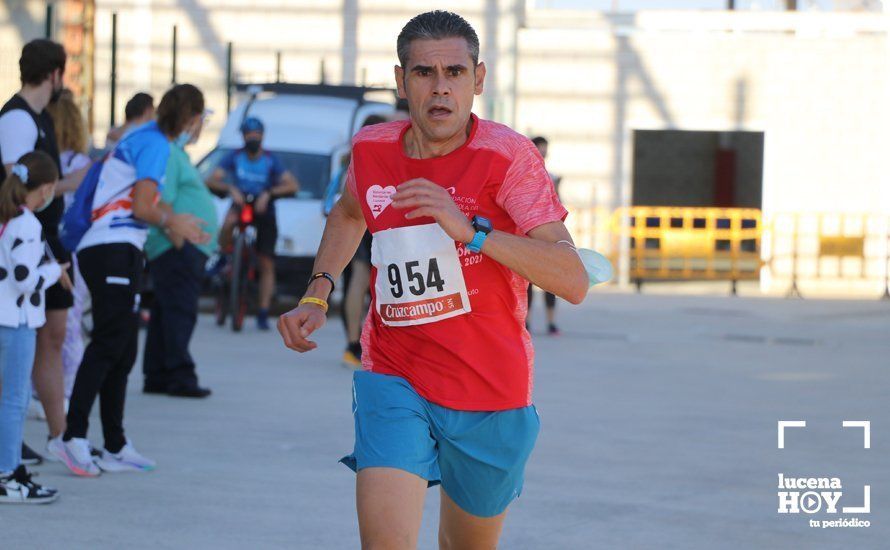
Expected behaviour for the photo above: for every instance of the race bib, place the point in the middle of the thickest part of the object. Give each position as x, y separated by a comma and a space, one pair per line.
419, 278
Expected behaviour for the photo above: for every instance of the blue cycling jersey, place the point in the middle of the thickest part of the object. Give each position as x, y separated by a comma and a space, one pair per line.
253, 176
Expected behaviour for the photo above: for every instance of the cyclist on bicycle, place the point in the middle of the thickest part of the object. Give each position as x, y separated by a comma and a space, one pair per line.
259, 174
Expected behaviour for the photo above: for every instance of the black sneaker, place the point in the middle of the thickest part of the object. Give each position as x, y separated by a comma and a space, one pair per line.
17, 488
30, 457
193, 391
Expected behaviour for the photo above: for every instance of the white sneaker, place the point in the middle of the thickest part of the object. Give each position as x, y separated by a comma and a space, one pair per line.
35, 410
126, 460
17, 488
74, 454
51, 444
55, 443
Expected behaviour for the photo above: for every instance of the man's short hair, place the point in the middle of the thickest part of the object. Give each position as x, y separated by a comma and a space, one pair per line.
137, 106
39, 59
436, 25
539, 140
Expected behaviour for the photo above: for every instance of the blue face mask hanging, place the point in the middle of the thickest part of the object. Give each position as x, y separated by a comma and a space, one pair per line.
183, 139
598, 267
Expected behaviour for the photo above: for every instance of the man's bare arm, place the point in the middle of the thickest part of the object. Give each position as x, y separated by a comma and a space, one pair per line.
71, 182
216, 181
148, 209
549, 264
540, 257
287, 186
342, 235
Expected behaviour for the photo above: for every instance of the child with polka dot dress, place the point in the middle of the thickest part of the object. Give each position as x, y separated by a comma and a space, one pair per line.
26, 270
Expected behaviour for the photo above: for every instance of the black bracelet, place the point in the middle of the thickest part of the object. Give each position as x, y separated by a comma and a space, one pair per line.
328, 276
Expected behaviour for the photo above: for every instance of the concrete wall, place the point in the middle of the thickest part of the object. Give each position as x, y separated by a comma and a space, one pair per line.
355, 40
816, 84
20, 21
818, 92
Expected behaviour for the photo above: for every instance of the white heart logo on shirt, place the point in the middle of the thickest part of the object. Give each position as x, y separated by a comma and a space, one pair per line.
379, 198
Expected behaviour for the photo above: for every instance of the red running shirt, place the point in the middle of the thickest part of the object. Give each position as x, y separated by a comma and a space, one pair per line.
482, 360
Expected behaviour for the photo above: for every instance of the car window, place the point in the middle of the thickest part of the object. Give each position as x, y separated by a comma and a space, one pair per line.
313, 171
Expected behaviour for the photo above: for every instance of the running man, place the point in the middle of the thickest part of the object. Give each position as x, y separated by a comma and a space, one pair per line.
258, 173
463, 215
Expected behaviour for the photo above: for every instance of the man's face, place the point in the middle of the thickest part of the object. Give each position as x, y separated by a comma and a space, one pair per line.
253, 136
253, 141
439, 82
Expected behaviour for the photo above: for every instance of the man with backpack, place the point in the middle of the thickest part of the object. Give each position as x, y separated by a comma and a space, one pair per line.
107, 226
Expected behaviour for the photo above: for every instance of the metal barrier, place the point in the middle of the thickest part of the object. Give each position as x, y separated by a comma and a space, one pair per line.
847, 252
830, 246
679, 243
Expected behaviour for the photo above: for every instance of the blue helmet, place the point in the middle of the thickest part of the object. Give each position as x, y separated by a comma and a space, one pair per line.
252, 124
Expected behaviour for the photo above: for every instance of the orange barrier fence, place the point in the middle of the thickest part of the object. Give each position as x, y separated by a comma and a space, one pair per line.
677, 243
648, 243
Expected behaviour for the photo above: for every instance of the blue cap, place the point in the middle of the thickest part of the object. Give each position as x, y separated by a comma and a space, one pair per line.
252, 124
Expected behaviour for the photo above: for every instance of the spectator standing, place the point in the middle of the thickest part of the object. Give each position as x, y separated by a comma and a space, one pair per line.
71, 137
138, 110
125, 204
357, 289
25, 272
549, 298
177, 269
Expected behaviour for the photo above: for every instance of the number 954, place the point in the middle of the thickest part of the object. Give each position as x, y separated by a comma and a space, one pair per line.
417, 284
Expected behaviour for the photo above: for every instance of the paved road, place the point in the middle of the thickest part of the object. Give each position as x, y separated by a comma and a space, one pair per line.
659, 431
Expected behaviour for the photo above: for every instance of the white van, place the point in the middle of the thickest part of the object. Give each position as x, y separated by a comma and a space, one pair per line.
309, 127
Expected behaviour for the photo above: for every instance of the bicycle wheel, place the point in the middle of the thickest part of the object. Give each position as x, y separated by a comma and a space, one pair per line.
238, 284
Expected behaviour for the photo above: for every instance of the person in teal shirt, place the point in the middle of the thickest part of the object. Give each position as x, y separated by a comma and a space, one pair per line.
177, 270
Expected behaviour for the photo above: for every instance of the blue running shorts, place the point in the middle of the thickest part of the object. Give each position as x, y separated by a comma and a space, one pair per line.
478, 457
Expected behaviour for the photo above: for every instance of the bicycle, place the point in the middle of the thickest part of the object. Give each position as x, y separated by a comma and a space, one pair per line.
238, 281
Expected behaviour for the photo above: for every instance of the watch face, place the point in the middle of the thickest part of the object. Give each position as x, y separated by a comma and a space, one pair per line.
482, 224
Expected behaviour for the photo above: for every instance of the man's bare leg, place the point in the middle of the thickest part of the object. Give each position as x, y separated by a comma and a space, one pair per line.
267, 280
459, 530
47, 376
390, 508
